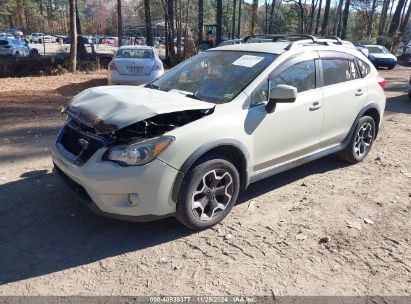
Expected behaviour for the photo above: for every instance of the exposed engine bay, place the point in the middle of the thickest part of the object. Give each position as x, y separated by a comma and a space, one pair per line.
156, 126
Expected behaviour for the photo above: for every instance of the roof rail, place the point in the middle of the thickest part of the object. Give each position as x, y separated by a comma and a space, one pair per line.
338, 39
276, 37
296, 40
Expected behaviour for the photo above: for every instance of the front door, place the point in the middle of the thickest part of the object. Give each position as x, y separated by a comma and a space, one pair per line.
293, 129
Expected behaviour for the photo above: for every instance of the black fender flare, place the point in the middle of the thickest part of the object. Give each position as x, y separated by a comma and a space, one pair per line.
372, 105
236, 144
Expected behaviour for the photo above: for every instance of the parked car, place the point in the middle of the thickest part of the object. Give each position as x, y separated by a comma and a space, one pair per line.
16, 33
110, 40
134, 65
4, 35
363, 50
36, 38
14, 47
49, 39
140, 40
188, 142
380, 56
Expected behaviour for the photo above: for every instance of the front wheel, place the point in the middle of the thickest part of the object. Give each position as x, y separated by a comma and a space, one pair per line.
361, 141
209, 191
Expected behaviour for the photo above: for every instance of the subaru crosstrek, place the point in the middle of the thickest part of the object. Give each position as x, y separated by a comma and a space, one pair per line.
188, 142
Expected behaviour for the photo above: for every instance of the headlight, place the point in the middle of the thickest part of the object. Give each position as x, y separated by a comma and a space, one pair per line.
139, 153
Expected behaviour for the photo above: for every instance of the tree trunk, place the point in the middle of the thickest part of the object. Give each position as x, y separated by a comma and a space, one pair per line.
383, 18
254, 17
178, 25
371, 20
404, 24
119, 24
403, 12
170, 12
311, 17
239, 18
186, 31
318, 18
270, 27
73, 34
233, 26
200, 20
338, 18
81, 49
149, 34
395, 22
301, 21
345, 19
324, 26
219, 21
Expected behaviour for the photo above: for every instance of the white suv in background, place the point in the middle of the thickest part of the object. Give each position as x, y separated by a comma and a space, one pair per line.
187, 143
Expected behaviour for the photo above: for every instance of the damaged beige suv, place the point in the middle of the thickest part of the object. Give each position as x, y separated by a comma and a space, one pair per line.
188, 142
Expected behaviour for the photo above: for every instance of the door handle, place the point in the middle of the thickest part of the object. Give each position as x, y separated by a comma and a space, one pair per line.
315, 106
359, 92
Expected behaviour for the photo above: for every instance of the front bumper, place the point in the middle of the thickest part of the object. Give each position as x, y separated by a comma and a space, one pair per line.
389, 63
105, 186
114, 78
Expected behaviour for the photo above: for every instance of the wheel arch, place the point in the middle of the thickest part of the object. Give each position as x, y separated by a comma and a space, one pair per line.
230, 148
372, 109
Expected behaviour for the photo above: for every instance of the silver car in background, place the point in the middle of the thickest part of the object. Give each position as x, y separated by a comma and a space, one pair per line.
134, 65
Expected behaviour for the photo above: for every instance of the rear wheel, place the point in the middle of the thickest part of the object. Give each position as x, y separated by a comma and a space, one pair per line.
209, 191
361, 141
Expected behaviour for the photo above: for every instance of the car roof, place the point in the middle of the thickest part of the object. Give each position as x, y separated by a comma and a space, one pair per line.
267, 47
143, 47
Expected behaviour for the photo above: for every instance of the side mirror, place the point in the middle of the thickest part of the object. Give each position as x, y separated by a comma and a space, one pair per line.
281, 93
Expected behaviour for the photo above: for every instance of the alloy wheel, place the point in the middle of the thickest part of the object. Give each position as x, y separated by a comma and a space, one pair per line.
212, 194
363, 139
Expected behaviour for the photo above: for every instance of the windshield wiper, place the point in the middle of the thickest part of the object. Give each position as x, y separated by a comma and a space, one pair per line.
152, 86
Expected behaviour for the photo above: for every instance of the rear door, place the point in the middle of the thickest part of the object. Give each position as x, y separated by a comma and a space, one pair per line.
344, 95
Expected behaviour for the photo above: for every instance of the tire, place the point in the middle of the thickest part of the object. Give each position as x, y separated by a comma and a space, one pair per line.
208, 193
16, 54
391, 67
361, 141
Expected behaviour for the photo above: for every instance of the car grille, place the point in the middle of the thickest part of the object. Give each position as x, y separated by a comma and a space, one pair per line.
77, 144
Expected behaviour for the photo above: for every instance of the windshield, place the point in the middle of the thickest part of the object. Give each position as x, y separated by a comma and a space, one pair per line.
377, 50
135, 53
215, 76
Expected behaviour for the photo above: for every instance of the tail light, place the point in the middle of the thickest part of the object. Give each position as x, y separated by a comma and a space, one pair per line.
156, 67
112, 66
381, 82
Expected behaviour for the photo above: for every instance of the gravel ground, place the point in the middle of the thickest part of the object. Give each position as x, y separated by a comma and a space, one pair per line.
52, 245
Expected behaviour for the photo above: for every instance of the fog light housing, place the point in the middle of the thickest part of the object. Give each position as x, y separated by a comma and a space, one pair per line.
133, 199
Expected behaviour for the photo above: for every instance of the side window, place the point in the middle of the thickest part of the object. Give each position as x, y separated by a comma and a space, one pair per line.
354, 71
364, 68
260, 95
301, 75
338, 70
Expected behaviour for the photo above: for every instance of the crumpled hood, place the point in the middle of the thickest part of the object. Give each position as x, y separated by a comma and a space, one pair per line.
110, 108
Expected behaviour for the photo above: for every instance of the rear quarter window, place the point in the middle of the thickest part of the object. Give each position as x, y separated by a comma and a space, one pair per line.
363, 67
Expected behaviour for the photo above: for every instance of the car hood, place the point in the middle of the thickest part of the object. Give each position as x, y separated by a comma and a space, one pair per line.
110, 108
383, 56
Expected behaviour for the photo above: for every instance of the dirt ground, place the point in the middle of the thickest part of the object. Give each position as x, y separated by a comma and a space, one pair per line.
269, 245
